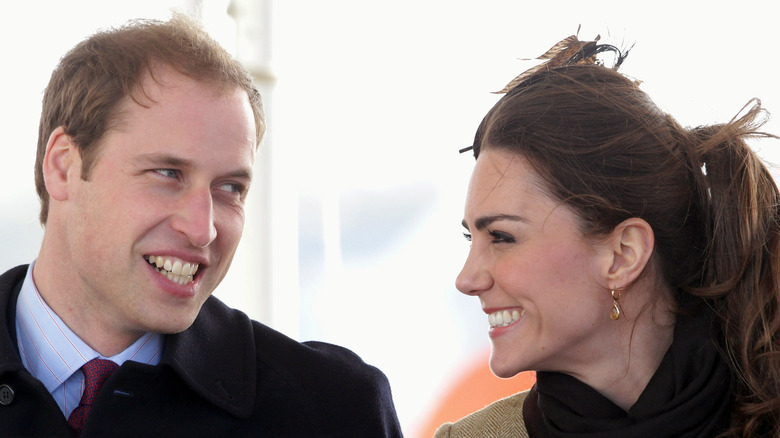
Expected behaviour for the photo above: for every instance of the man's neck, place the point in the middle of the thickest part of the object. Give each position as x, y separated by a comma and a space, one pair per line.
85, 320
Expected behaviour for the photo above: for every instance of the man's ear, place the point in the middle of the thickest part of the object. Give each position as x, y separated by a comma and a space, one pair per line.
631, 244
60, 164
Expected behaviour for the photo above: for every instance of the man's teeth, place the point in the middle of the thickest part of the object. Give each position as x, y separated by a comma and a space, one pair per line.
175, 270
503, 318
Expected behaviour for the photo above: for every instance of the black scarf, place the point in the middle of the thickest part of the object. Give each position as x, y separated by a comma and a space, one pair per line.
688, 396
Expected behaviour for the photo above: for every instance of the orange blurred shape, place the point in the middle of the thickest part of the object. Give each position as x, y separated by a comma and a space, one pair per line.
476, 388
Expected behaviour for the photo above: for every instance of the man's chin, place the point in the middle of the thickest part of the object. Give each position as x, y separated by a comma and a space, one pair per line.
172, 327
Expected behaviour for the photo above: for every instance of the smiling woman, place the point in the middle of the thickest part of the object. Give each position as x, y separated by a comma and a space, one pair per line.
537, 276
626, 259
540, 280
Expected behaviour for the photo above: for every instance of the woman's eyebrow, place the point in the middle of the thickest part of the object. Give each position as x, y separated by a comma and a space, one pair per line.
485, 221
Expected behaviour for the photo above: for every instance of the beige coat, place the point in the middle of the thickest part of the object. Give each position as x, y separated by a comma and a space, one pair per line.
501, 419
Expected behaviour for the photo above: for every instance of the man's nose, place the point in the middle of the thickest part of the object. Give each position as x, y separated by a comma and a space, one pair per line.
195, 217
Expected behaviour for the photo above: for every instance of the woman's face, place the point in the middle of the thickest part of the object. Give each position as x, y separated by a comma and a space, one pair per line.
539, 280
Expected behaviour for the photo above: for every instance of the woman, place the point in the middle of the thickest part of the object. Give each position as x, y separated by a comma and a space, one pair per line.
631, 262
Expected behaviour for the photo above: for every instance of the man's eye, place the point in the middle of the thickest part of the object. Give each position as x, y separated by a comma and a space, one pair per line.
232, 187
170, 173
467, 236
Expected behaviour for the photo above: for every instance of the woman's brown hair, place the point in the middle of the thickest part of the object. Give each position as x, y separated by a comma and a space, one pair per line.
607, 151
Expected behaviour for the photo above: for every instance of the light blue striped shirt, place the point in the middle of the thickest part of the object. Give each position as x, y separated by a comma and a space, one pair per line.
53, 354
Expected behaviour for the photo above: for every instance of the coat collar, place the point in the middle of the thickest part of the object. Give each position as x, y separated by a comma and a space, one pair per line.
216, 356
10, 285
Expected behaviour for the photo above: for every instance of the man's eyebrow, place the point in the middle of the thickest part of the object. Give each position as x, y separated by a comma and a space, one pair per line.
162, 159
485, 221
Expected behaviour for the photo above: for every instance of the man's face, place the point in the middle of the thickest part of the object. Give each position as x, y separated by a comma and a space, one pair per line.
154, 229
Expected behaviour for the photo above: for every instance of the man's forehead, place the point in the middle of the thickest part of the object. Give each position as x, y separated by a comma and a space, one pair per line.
161, 78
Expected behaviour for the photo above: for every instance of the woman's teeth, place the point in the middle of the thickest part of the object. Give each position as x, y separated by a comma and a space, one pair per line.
503, 318
177, 271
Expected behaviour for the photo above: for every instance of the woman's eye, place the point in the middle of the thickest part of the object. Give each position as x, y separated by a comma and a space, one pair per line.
499, 237
467, 236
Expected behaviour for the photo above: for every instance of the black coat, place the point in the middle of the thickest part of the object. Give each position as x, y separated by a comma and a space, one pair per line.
226, 376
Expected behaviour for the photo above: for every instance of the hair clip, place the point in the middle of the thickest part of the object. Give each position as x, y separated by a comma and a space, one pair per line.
466, 149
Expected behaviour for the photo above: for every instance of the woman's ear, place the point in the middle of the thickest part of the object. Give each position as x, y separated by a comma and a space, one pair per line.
631, 244
58, 164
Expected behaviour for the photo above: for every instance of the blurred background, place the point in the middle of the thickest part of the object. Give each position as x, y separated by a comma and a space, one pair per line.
353, 233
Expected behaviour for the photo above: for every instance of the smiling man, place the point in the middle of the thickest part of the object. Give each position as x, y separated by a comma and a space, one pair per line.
146, 146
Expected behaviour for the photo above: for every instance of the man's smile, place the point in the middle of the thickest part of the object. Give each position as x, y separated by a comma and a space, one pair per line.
176, 270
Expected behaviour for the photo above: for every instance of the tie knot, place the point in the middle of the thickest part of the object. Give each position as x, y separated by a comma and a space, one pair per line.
96, 372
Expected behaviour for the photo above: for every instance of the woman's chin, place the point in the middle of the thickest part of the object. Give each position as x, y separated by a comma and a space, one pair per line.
503, 367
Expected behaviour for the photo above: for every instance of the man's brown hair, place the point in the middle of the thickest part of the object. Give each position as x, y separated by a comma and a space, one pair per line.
92, 79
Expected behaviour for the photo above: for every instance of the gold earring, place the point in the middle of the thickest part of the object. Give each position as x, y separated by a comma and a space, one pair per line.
615, 312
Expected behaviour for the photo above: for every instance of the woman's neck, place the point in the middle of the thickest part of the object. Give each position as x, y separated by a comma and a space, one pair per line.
644, 340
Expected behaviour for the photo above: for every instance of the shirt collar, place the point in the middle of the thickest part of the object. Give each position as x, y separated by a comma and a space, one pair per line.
50, 350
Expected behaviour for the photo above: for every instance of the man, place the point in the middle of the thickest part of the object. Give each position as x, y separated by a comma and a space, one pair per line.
146, 146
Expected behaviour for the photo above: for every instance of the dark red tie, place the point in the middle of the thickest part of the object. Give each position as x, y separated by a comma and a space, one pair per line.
96, 373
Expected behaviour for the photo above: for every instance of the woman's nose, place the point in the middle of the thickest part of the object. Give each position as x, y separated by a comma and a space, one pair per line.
474, 278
